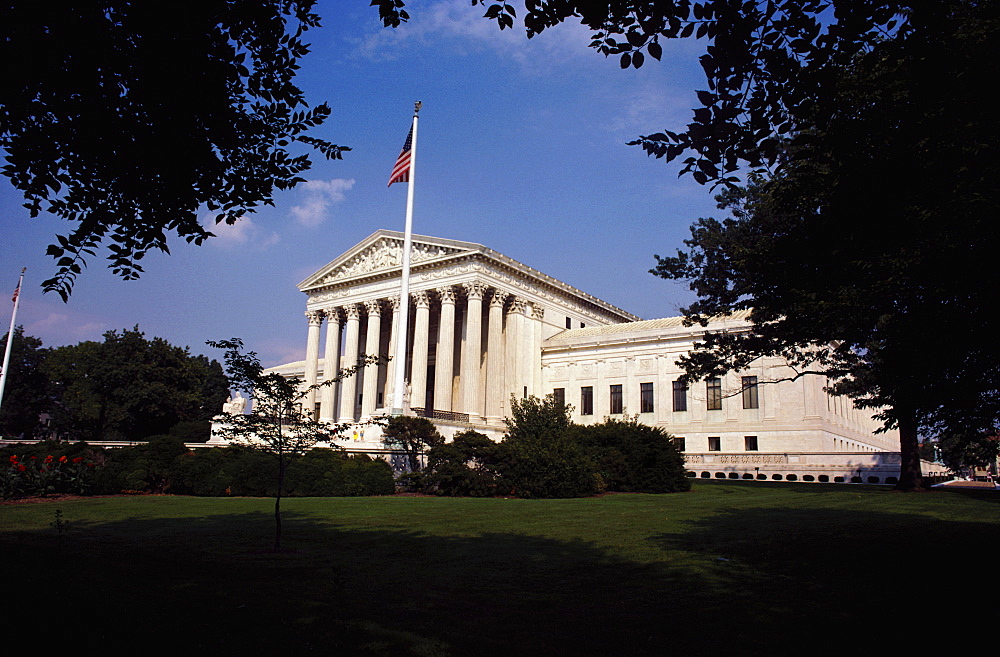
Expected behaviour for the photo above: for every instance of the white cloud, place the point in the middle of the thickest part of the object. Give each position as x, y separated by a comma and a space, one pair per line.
240, 234
459, 25
319, 196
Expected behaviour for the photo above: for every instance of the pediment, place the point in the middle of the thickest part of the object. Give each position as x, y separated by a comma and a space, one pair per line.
383, 252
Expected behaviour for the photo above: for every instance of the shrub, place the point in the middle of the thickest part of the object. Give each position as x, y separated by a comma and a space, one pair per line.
537, 457
634, 457
466, 466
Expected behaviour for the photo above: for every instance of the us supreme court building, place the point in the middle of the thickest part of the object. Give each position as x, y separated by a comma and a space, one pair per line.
484, 327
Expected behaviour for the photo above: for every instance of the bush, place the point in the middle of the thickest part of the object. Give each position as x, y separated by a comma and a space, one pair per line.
142, 468
332, 473
466, 466
537, 457
633, 457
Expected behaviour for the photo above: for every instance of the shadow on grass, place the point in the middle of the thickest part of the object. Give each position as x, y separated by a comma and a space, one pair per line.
830, 581
753, 581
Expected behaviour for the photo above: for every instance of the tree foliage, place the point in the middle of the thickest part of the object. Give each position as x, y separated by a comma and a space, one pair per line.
26, 395
128, 118
129, 388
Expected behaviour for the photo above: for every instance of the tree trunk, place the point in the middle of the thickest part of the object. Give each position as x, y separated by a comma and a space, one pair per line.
910, 478
277, 503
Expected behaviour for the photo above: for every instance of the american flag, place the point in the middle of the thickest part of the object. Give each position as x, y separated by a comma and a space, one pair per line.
401, 171
17, 291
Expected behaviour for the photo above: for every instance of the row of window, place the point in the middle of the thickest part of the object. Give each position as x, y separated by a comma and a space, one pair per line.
715, 443
749, 443
713, 396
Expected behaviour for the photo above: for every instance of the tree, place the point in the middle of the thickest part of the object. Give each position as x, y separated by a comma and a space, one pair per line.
129, 388
128, 118
961, 452
278, 424
863, 244
867, 258
27, 388
413, 435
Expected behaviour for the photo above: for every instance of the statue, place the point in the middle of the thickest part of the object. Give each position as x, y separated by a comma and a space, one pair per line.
235, 405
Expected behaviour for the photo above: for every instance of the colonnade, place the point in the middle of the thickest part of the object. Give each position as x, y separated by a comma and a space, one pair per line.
470, 346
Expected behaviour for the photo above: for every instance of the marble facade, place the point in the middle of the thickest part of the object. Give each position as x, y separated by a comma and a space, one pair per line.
484, 327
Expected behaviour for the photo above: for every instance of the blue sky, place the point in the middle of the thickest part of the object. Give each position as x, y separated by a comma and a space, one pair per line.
521, 148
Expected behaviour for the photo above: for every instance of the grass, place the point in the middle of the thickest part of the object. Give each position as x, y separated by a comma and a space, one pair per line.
730, 568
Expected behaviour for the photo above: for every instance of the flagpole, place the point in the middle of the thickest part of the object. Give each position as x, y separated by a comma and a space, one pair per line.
10, 336
402, 330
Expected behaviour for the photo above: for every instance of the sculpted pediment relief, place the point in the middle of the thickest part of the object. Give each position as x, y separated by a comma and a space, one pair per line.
387, 253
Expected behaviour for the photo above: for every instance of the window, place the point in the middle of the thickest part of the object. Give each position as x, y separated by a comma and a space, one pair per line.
680, 396
645, 397
750, 443
714, 444
559, 394
713, 394
680, 443
587, 400
316, 411
750, 398
582, 325
616, 399
569, 322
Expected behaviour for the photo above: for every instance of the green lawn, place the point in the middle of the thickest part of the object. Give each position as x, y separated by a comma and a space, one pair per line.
730, 568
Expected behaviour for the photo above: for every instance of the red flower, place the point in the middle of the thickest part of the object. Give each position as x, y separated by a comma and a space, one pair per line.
48, 459
63, 459
34, 458
21, 468
13, 458
77, 459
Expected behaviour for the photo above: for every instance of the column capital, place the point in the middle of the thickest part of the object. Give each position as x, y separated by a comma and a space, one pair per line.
315, 317
447, 294
537, 312
373, 306
352, 311
421, 299
519, 306
393, 302
474, 289
332, 315
498, 298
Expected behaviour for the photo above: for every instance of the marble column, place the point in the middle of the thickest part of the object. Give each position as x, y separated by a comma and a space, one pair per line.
349, 386
537, 315
444, 363
514, 348
390, 368
312, 356
472, 394
421, 337
331, 365
495, 359
369, 395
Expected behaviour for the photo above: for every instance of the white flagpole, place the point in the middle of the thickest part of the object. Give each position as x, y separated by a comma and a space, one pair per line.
10, 336
402, 330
